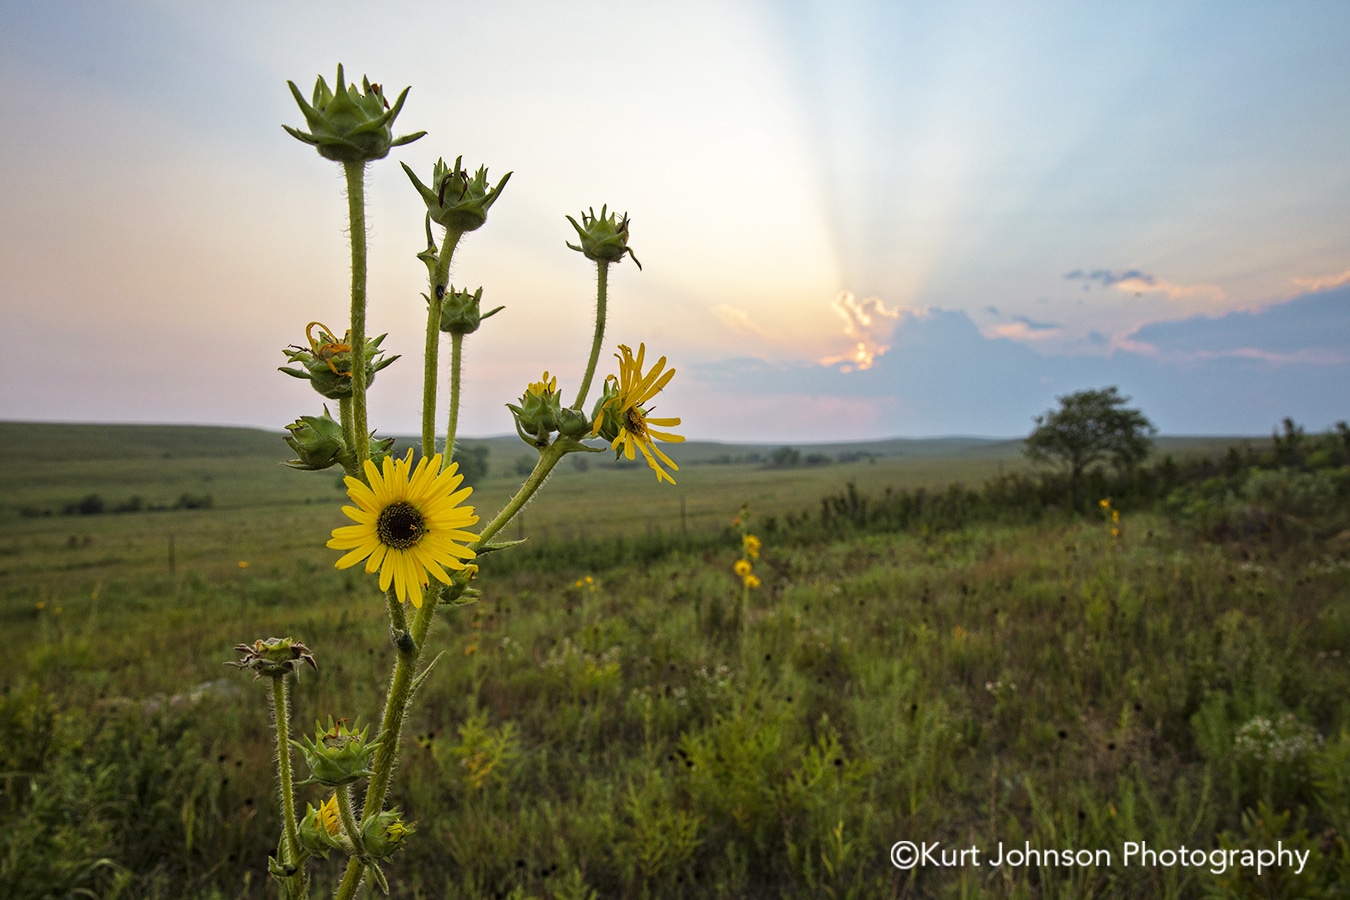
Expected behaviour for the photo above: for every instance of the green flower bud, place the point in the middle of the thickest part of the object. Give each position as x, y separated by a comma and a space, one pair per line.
454, 200
379, 449
384, 833
274, 657
338, 755
574, 424
604, 238
607, 417
327, 362
350, 125
317, 442
460, 311
539, 412
320, 830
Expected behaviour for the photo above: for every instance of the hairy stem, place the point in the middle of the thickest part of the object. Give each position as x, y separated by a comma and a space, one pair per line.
351, 879
601, 295
440, 277
344, 802
452, 426
348, 434
290, 845
356, 219
548, 458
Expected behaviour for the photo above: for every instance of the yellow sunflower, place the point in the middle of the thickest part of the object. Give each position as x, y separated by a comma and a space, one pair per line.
627, 406
407, 524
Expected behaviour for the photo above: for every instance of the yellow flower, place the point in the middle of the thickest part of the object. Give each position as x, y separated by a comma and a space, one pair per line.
1105, 503
742, 567
752, 545
751, 581
329, 816
407, 524
545, 386
627, 406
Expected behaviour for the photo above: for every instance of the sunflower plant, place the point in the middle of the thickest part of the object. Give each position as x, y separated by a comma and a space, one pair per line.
411, 522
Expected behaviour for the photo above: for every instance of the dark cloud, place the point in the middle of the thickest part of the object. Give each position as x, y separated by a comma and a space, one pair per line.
1310, 326
942, 376
1106, 277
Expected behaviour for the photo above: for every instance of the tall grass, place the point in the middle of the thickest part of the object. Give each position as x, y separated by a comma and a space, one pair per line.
970, 678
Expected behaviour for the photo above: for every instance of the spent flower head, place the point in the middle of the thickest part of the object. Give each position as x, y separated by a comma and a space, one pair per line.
274, 657
347, 125
327, 361
454, 200
604, 238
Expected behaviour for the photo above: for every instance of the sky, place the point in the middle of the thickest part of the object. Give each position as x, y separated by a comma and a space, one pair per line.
855, 220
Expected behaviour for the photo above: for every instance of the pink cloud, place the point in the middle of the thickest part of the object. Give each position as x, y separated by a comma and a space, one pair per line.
868, 323
1322, 283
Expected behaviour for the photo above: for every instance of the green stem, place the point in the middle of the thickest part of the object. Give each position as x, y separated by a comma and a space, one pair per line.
548, 458
452, 426
290, 845
356, 219
344, 802
440, 277
348, 433
396, 703
391, 724
351, 879
601, 294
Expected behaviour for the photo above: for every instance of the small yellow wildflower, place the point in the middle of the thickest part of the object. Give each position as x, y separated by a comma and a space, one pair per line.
752, 545
742, 567
543, 387
751, 581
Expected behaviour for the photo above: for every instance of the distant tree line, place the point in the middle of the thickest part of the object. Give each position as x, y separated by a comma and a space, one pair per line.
95, 505
1297, 486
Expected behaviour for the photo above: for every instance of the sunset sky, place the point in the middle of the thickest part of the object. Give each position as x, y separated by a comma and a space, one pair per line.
855, 220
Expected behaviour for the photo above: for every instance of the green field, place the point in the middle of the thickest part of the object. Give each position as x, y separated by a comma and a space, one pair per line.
973, 677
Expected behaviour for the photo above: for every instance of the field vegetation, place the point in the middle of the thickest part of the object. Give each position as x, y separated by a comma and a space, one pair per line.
944, 648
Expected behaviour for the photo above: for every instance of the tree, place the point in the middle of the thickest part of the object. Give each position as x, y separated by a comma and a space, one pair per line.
1091, 427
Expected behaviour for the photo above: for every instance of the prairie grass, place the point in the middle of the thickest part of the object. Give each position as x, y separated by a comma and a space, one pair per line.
627, 737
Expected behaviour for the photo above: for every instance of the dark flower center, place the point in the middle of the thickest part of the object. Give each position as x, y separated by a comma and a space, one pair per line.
400, 525
634, 422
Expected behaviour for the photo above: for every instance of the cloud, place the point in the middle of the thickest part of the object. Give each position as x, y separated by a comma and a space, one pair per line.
1022, 328
868, 323
1239, 373
1323, 283
1308, 330
737, 321
1137, 282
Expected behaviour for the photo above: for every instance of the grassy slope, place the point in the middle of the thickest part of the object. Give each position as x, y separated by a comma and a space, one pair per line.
269, 516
